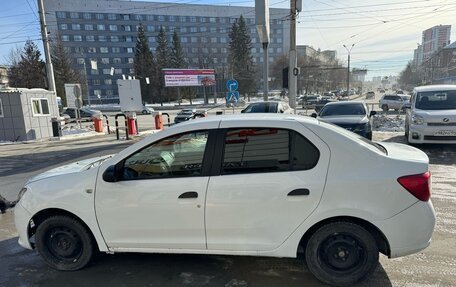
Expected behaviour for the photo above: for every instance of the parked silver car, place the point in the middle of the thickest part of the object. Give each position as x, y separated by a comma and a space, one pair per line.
389, 101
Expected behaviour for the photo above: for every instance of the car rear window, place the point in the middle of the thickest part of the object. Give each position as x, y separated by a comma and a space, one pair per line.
436, 100
342, 110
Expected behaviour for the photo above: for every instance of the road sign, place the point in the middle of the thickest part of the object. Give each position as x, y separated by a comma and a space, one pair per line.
232, 85
78, 103
232, 97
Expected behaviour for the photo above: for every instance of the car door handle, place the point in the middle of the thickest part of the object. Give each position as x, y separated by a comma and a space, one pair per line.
189, 194
299, 191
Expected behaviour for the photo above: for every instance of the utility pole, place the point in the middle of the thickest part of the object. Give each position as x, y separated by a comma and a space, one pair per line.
348, 68
47, 50
262, 26
293, 71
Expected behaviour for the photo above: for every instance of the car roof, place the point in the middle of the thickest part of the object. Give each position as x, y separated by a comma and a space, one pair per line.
265, 102
344, 103
431, 88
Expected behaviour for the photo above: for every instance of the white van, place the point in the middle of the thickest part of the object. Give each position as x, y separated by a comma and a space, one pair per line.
432, 115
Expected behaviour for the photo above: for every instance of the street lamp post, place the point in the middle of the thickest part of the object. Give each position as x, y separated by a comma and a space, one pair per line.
348, 68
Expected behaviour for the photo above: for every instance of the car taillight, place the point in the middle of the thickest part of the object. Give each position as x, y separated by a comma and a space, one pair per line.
419, 185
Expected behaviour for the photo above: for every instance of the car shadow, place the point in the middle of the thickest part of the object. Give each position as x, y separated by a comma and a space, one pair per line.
438, 153
25, 268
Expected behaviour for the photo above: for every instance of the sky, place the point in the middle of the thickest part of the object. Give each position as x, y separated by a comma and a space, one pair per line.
384, 32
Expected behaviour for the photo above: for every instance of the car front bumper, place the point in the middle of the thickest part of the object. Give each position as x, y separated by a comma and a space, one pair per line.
409, 231
427, 134
22, 219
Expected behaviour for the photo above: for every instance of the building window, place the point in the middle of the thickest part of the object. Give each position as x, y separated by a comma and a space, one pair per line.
99, 16
117, 71
213, 39
194, 50
80, 61
151, 28
203, 19
113, 27
105, 60
1, 109
214, 50
75, 27
171, 29
131, 70
172, 18
203, 29
40, 107
114, 38
252, 30
96, 82
279, 40
130, 60
254, 60
112, 16
104, 50
78, 49
233, 20
183, 39
116, 60
106, 71
108, 82
138, 17
61, 15
205, 50
271, 50
193, 40
74, 15
150, 17
128, 39
279, 50
90, 38
222, 30
222, 20
203, 40
127, 28
126, 17
254, 40
63, 27
87, 16
97, 92
129, 50
212, 20
193, 29
224, 50
161, 18
151, 39
193, 19
77, 38
183, 29
65, 38
100, 27
213, 30
222, 39
214, 60
108, 92
279, 31
182, 19
102, 38
88, 27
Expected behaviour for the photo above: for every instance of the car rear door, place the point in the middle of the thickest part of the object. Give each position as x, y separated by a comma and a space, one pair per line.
270, 180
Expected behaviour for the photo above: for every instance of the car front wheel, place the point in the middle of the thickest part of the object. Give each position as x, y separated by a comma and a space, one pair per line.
64, 243
385, 108
341, 253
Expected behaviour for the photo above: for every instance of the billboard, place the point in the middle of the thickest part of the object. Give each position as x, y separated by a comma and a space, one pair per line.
189, 77
130, 95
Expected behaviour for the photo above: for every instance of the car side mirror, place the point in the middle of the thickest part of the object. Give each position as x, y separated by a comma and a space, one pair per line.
372, 113
313, 115
110, 174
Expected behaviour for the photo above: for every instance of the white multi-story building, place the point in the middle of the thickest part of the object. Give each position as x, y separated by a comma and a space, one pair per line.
106, 30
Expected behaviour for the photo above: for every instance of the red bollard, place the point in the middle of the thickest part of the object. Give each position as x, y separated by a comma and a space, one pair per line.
98, 123
158, 121
131, 121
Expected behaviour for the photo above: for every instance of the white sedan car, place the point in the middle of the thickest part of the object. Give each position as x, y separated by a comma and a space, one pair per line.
257, 184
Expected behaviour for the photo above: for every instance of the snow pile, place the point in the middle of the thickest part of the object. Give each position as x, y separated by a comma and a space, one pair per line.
5, 142
75, 131
384, 123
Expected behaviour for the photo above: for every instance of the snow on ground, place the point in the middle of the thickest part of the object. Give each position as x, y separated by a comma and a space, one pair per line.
5, 142
388, 123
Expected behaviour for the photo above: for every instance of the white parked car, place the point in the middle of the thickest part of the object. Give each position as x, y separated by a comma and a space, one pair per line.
255, 184
431, 117
395, 102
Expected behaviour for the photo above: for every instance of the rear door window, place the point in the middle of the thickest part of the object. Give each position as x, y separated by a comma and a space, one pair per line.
254, 150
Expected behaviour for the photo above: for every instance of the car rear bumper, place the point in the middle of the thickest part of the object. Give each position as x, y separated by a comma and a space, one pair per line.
427, 134
21, 219
409, 231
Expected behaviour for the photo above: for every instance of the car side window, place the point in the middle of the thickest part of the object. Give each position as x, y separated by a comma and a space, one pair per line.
176, 156
254, 150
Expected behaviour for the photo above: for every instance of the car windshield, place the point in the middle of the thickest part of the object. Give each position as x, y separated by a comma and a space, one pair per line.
185, 113
261, 108
343, 110
436, 100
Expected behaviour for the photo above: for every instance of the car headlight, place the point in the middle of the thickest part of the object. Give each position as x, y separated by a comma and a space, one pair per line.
417, 120
21, 193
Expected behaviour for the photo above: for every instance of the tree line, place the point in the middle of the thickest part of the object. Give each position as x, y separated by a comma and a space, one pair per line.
27, 69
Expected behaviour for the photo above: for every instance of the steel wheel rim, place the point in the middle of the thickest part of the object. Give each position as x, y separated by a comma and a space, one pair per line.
64, 244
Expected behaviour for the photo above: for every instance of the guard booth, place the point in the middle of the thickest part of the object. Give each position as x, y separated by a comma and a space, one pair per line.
26, 114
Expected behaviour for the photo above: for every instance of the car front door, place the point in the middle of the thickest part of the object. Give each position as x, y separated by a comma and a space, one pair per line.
271, 180
158, 200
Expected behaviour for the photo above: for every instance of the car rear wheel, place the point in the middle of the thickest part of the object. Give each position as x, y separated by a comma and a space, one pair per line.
64, 243
385, 108
341, 253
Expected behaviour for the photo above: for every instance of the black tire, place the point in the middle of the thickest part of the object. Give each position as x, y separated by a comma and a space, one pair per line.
385, 108
369, 135
64, 243
341, 253
144, 112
